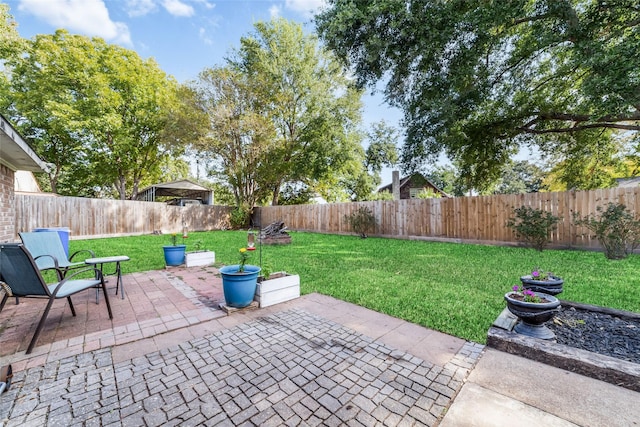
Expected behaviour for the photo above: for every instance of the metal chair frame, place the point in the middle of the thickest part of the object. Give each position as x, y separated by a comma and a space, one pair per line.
40, 243
20, 272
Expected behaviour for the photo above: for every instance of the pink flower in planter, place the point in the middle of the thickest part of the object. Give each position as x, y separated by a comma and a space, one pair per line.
526, 294
538, 274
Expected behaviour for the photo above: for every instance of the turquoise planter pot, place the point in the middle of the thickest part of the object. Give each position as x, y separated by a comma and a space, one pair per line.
239, 288
174, 255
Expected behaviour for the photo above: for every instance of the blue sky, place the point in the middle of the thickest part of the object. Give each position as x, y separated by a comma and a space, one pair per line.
183, 36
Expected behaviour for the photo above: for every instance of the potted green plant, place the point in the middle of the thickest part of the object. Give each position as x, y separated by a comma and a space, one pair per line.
199, 256
541, 281
174, 253
239, 281
533, 309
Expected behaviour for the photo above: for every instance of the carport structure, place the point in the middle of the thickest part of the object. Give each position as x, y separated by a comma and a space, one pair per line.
182, 189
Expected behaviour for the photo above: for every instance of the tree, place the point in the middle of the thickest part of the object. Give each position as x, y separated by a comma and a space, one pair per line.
585, 161
144, 125
382, 149
101, 115
380, 152
11, 45
291, 195
239, 137
445, 177
479, 79
520, 177
47, 93
313, 108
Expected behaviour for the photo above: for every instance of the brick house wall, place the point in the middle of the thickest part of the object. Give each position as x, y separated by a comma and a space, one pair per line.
7, 201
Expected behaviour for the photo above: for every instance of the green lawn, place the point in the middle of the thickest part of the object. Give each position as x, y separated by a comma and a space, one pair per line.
454, 288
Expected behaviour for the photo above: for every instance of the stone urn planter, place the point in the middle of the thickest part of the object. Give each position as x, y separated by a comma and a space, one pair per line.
533, 315
239, 287
551, 285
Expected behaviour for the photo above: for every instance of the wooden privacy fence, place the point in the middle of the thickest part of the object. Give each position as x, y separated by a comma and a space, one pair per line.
101, 218
479, 219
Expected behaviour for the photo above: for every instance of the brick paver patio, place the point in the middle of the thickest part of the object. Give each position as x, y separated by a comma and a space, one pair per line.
313, 361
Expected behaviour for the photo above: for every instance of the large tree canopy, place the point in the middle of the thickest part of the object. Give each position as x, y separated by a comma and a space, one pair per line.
480, 79
106, 119
283, 114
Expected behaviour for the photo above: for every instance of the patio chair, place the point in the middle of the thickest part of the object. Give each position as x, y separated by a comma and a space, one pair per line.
48, 243
21, 273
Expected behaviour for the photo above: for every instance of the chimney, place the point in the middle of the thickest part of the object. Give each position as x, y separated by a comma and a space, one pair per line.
395, 185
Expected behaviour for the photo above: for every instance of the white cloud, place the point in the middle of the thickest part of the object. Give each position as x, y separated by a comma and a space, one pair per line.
205, 3
174, 7
140, 7
274, 11
203, 36
305, 7
89, 17
178, 8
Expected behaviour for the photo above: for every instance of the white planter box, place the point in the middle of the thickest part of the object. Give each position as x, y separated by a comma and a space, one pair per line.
194, 259
279, 288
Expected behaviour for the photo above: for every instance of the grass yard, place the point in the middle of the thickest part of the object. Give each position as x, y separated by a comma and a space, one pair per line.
453, 288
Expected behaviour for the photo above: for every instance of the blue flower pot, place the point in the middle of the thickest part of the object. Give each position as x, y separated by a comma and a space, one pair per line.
174, 255
239, 288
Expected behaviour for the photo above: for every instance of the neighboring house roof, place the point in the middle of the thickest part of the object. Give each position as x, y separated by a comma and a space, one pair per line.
404, 181
182, 188
15, 153
628, 182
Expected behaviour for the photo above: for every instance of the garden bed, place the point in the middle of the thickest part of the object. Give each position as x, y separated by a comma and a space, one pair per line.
594, 341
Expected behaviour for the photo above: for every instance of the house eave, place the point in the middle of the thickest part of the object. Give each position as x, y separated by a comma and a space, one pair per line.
15, 153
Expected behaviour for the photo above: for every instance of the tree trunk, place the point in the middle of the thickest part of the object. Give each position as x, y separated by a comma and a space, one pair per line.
121, 188
276, 194
134, 191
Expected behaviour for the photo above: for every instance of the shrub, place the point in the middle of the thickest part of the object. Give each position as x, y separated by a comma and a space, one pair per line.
533, 226
239, 217
361, 221
383, 195
428, 193
615, 228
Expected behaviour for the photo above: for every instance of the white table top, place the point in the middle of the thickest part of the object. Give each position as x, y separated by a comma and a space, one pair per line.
107, 259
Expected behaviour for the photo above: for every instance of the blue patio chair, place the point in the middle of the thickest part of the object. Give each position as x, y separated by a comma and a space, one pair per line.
22, 274
48, 243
